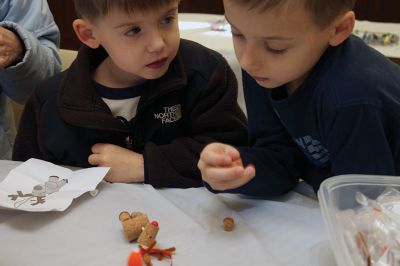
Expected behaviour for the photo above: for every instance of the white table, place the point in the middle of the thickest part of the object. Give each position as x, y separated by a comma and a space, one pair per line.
284, 231
389, 51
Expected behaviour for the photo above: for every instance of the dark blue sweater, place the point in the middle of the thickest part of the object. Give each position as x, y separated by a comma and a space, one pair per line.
344, 119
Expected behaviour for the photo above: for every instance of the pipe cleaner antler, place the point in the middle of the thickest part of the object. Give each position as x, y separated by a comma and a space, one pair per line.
160, 253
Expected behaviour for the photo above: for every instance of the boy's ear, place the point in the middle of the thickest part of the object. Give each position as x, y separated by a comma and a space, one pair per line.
84, 32
342, 28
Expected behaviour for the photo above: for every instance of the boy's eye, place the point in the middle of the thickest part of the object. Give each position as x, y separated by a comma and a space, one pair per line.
237, 34
168, 20
276, 51
133, 31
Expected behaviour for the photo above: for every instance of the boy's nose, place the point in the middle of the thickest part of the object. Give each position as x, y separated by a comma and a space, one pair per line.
156, 43
249, 59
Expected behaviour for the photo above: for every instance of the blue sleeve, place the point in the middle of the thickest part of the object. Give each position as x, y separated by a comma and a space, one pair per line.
276, 157
363, 139
34, 23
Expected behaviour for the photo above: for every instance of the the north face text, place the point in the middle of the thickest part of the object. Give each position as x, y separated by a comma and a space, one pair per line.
169, 114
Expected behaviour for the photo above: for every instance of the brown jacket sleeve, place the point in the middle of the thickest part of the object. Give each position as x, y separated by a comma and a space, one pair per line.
215, 117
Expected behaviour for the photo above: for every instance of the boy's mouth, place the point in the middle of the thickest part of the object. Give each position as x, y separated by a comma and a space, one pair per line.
259, 79
157, 64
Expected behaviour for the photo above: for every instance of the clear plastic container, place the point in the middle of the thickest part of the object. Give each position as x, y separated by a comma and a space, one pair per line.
340, 202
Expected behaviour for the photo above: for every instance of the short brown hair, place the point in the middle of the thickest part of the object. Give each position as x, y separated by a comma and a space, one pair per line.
323, 11
93, 9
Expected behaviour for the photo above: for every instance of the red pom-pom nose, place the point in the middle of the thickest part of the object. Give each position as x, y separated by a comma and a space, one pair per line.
154, 223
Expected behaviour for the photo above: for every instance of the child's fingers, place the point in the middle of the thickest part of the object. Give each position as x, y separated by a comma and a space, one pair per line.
230, 178
221, 174
94, 159
214, 159
218, 154
222, 186
96, 148
233, 153
249, 172
234, 183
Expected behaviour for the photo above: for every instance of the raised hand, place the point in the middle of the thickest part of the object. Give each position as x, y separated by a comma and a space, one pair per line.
222, 168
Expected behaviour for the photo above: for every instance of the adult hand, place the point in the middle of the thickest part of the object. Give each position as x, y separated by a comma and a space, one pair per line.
222, 168
11, 48
126, 166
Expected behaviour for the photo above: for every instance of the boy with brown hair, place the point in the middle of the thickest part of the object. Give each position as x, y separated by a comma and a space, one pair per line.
320, 102
137, 98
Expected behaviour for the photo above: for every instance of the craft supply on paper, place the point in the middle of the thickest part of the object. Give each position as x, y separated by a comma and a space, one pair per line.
137, 226
40, 186
133, 224
135, 259
378, 38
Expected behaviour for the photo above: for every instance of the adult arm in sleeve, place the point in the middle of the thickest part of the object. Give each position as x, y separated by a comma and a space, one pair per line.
33, 22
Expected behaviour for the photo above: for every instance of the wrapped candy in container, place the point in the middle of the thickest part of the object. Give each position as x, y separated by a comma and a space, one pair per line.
362, 214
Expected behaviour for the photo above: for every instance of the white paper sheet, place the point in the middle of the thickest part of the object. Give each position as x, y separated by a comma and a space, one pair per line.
40, 186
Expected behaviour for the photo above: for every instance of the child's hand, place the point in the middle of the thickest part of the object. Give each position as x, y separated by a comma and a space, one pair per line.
222, 168
126, 166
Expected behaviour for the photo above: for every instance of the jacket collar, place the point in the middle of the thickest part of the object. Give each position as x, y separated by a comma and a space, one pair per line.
79, 103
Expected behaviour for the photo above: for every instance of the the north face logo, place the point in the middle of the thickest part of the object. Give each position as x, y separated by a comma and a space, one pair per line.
169, 114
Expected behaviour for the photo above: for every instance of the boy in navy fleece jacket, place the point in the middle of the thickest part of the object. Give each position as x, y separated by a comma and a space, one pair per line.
320, 102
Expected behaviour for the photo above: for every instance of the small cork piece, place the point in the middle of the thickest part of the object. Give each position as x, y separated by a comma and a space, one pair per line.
123, 216
133, 226
148, 236
229, 224
136, 214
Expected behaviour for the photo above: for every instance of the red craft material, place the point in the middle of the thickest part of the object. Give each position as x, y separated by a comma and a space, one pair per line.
135, 259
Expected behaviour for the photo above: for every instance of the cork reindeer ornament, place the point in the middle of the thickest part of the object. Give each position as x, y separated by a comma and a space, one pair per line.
133, 224
137, 227
147, 238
